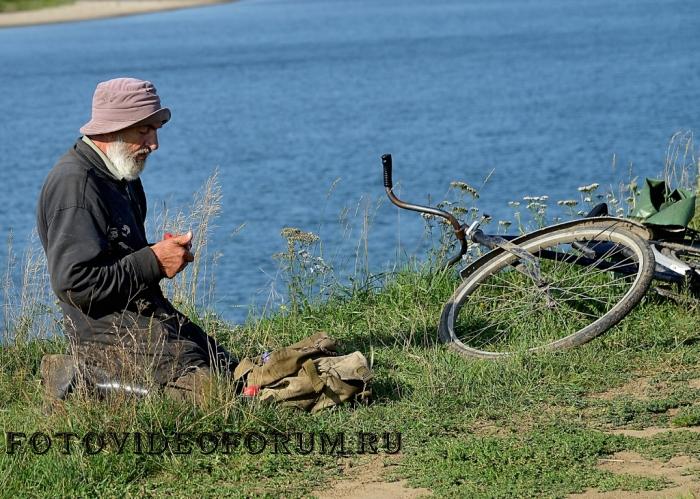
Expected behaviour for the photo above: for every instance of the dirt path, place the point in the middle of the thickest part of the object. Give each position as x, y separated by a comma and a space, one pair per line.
681, 471
84, 10
367, 480
650, 431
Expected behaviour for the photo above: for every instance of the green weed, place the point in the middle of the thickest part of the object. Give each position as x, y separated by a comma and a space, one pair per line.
16, 5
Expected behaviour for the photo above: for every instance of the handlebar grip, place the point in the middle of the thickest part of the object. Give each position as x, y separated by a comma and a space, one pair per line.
386, 163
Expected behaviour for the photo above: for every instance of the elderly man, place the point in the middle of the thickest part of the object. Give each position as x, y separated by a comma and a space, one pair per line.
90, 219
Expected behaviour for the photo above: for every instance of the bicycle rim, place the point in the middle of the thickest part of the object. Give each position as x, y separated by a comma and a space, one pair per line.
592, 274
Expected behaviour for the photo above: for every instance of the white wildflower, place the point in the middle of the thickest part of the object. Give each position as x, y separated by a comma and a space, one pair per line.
589, 188
464, 187
304, 255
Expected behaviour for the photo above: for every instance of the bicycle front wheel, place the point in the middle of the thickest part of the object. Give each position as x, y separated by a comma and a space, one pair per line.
589, 276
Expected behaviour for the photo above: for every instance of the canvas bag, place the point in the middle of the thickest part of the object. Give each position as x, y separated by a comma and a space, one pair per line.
308, 374
659, 205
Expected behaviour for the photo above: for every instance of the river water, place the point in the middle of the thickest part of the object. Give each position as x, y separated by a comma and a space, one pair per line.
294, 101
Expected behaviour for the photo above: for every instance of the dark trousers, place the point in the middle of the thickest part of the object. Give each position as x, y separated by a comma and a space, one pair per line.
156, 348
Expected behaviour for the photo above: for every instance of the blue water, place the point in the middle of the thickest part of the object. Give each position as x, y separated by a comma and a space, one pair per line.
285, 97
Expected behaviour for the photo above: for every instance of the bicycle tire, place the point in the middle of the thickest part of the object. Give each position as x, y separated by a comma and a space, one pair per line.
509, 312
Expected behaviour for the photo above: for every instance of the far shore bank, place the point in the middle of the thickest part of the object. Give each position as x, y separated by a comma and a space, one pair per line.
84, 10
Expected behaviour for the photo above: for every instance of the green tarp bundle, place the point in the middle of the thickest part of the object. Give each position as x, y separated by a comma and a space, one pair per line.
657, 204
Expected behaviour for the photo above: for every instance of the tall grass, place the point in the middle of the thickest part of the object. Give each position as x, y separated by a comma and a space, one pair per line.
28, 306
193, 288
681, 166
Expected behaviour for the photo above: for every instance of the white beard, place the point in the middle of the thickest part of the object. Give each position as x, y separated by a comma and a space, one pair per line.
126, 166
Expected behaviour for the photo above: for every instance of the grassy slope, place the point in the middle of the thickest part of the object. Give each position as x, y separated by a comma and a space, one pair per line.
15, 5
526, 426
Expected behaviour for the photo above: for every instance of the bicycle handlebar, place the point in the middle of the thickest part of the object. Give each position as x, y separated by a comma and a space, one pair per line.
386, 163
458, 228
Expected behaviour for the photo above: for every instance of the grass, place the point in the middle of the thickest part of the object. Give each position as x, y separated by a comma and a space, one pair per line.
530, 425
17, 5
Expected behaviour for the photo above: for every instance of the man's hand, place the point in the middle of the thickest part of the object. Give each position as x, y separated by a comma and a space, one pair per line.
173, 253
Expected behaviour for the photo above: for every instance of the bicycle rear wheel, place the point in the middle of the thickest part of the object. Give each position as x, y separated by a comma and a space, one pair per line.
592, 274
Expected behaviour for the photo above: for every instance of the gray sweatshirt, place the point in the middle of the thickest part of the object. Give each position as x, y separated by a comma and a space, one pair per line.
91, 226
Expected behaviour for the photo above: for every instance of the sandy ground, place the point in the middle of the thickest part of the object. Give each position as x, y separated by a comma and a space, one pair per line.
366, 480
84, 10
680, 471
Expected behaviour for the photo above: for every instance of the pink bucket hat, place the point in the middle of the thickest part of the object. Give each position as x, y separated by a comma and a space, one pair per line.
124, 102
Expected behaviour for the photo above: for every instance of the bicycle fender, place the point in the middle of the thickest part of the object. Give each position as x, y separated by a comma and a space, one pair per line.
634, 227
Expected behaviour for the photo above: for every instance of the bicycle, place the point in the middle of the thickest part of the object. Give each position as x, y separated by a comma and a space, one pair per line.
553, 288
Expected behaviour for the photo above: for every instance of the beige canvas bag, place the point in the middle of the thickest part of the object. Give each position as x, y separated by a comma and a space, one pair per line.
308, 375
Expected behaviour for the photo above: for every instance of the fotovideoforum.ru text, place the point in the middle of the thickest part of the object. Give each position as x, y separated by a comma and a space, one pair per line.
185, 443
